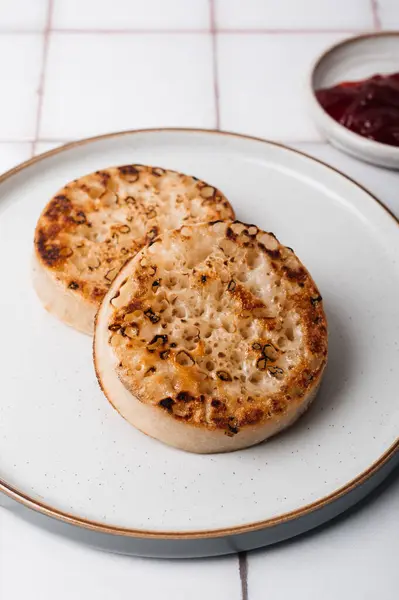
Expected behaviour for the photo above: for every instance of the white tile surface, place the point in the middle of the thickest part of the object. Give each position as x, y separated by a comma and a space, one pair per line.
286, 14
353, 558
97, 83
389, 13
100, 83
131, 14
262, 81
11, 154
20, 65
23, 14
54, 568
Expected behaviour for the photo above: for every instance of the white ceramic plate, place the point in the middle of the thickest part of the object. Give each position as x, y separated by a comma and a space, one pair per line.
66, 453
352, 60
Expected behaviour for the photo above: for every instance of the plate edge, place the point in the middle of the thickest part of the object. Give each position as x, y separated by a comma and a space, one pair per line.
50, 511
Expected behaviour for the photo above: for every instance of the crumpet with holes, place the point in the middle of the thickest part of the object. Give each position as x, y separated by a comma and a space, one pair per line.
92, 226
212, 338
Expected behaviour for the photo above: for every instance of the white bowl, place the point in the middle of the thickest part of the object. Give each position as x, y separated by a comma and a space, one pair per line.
354, 59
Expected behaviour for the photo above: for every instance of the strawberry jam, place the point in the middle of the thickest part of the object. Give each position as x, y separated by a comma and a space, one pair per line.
369, 107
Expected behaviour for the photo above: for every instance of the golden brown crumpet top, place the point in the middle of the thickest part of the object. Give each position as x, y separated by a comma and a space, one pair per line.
218, 325
95, 223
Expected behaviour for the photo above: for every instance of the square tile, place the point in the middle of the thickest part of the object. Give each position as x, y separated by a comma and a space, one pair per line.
20, 66
131, 14
11, 154
23, 14
388, 11
355, 557
54, 568
262, 82
101, 83
291, 14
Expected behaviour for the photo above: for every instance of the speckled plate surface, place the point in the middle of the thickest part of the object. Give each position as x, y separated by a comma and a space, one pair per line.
67, 454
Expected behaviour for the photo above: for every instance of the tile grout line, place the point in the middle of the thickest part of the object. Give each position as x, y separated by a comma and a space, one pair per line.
40, 91
128, 31
202, 31
288, 31
229, 30
376, 15
243, 569
11, 31
215, 69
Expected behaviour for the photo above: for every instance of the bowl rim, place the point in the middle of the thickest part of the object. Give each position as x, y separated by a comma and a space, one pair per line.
352, 138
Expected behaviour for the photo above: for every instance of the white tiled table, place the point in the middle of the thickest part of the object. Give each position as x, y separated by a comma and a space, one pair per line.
75, 68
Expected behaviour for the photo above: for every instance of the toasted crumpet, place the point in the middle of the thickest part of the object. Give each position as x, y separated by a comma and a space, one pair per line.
212, 338
96, 223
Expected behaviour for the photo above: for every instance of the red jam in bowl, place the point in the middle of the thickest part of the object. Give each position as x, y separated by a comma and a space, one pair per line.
369, 107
